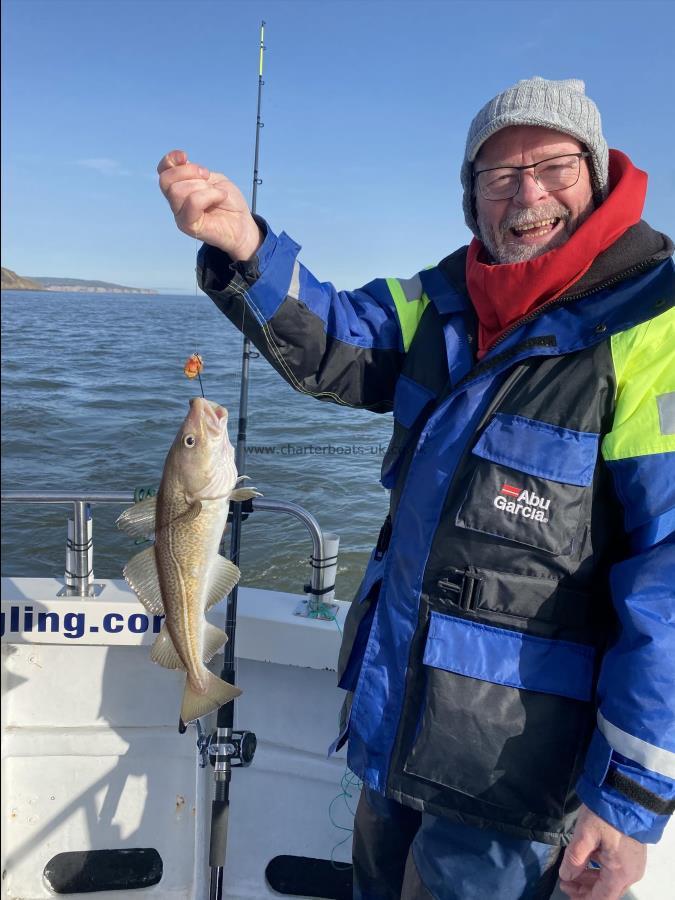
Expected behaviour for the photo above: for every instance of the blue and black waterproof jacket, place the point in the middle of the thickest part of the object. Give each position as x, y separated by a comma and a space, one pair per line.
511, 650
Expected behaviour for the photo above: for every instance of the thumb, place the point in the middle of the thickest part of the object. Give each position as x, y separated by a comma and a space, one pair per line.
578, 853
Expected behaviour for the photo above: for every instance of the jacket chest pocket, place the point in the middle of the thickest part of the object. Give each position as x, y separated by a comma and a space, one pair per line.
530, 483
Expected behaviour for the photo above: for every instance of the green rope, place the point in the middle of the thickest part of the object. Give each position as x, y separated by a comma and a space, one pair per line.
327, 614
350, 785
141, 493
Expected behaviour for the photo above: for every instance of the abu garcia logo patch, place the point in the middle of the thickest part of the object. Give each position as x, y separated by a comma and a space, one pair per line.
519, 502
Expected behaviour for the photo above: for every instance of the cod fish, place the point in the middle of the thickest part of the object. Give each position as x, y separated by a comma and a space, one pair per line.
182, 575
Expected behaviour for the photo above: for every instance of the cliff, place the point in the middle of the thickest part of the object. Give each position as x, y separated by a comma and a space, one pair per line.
13, 282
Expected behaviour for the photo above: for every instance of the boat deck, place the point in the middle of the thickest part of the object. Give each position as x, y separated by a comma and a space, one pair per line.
92, 757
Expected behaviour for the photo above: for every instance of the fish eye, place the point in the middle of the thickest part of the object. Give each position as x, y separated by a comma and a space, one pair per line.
189, 440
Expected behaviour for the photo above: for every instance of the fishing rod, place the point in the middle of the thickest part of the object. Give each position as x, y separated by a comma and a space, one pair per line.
233, 748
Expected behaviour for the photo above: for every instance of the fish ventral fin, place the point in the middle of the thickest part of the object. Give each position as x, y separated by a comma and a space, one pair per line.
163, 651
224, 576
214, 639
189, 515
141, 575
218, 692
245, 493
138, 521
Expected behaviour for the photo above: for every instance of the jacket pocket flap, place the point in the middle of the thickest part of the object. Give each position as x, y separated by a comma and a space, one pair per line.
537, 448
373, 573
509, 657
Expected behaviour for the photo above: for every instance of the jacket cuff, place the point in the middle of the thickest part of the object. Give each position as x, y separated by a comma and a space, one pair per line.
216, 269
630, 798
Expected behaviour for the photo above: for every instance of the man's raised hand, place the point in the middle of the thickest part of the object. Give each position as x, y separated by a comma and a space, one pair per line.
208, 206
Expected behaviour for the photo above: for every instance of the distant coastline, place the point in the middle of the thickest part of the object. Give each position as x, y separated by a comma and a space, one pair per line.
13, 282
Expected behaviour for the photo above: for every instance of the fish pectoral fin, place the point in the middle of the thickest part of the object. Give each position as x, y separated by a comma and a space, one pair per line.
214, 639
224, 576
141, 575
245, 493
163, 651
218, 693
189, 515
138, 521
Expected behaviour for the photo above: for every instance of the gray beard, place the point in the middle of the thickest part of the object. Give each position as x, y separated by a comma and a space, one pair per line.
505, 250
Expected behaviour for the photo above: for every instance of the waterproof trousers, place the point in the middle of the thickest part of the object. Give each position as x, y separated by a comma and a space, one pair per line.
401, 854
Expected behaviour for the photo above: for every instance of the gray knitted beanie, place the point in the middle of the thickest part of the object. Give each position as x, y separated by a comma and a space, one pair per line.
561, 105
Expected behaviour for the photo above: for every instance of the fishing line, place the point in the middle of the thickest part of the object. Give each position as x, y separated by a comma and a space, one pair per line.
196, 353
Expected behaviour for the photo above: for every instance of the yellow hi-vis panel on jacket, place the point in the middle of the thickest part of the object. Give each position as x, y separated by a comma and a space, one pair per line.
644, 363
410, 302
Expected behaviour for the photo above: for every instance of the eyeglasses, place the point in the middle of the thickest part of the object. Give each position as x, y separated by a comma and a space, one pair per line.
554, 174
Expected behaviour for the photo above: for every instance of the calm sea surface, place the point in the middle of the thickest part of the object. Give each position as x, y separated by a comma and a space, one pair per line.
93, 395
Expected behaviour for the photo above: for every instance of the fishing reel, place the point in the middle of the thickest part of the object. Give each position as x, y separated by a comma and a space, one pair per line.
239, 749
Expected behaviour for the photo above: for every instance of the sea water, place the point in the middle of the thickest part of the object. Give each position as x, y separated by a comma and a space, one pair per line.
93, 395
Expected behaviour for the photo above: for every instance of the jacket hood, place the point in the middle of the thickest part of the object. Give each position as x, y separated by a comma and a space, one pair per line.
639, 245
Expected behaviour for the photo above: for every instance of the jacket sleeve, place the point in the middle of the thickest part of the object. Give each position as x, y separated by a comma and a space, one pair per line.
344, 346
629, 777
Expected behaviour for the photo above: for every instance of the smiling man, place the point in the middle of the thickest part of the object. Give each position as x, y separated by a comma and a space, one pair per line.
509, 656
528, 204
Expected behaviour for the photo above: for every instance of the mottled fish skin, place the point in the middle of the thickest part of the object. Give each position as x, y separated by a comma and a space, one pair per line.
183, 574
185, 550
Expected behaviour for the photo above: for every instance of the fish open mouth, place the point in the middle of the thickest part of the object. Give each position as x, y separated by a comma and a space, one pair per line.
536, 230
220, 411
213, 415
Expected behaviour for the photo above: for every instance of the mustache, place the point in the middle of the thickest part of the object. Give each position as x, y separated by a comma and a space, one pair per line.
526, 217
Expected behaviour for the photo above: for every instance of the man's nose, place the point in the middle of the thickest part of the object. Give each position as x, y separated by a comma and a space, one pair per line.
529, 191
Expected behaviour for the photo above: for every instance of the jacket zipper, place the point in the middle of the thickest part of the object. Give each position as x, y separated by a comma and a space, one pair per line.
568, 298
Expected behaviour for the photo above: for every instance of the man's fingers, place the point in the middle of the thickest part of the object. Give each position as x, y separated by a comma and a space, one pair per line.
184, 172
190, 217
609, 886
582, 885
172, 158
177, 192
578, 854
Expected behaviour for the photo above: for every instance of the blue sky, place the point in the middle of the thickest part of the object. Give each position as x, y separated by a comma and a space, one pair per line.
366, 107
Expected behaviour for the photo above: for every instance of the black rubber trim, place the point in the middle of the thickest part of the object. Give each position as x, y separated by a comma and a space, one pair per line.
305, 876
89, 871
639, 794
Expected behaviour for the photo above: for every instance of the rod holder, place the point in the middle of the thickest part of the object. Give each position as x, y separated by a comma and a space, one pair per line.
321, 590
79, 574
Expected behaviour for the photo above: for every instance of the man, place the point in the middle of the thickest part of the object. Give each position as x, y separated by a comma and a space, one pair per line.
509, 655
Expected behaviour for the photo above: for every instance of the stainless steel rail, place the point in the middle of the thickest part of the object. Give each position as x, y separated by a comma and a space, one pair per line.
79, 553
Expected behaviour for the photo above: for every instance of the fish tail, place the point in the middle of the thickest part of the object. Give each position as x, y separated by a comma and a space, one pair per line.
197, 704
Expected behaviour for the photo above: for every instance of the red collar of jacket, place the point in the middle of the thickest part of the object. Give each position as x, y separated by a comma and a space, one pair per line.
504, 294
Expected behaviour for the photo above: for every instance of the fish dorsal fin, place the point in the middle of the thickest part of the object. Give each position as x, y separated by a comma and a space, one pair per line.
189, 515
138, 520
141, 575
163, 651
214, 639
224, 576
245, 493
